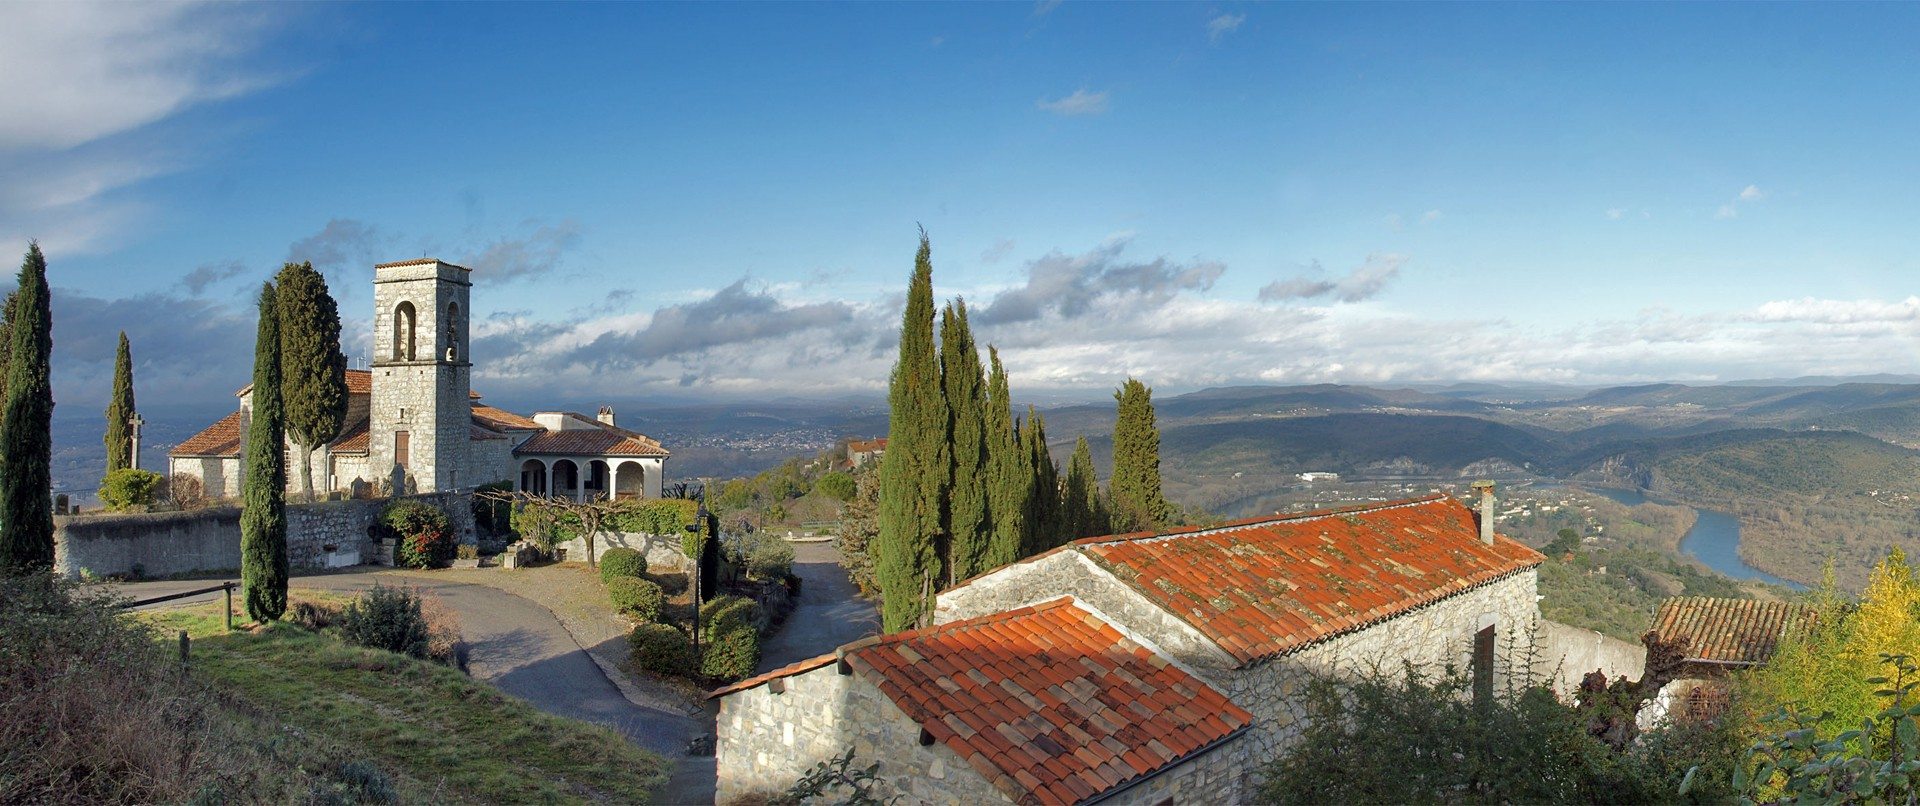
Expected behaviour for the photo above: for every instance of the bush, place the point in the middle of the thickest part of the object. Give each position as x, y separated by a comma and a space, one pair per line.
730, 652
662, 649
622, 562
837, 486
129, 489
717, 614
635, 597
424, 535
187, 491
672, 583
768, 556
491, 515
386, 618
313, 616
660, 516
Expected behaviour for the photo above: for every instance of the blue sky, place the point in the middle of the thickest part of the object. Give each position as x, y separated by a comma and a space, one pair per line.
686, 202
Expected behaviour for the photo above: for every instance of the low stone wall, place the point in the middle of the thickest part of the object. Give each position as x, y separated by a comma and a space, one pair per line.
1567, 653
326, 534
663, 551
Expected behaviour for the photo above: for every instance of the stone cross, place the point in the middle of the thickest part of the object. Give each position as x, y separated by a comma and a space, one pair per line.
136, 422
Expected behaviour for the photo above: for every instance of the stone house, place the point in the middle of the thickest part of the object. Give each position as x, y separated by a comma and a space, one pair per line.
1247, 612
414, 423
1718, 636
862, 451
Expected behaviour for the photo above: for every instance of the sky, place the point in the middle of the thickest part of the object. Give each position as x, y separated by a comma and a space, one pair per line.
686, 202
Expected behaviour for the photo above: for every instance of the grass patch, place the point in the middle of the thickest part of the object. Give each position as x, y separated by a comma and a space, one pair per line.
460, 739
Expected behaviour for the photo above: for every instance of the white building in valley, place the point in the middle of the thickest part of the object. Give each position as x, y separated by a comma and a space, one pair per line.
414, 422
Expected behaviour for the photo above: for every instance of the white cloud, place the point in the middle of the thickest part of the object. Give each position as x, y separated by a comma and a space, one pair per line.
1615, 213
1081, 102
1042, 8
1839, 312
1363, 283
1223, 24
1752, 193
1747, 195
1429, 216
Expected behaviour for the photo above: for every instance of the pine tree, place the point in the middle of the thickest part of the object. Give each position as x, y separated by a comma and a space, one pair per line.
916, 463
1043, 492
1008, 479
1085, 514
968, 528
119, 436
26, 436
313, 370
263, 515
1134, 491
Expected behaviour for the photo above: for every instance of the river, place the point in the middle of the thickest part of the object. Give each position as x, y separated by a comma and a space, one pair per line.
1713, 540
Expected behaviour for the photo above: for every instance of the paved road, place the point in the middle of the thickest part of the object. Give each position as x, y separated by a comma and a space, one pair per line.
517, 645
830, 611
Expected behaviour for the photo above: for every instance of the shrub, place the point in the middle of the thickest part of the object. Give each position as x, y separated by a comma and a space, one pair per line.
635, 597
717, 614
662, 649
837, 486
129, 489
187, 491
622, 562
467, 551
444, 643
424, 535
729, 652
313, 616
767, 556
491, 515
660, 516
672, 583
387, 618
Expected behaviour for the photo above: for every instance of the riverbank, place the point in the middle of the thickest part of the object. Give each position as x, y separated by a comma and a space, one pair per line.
1714, 539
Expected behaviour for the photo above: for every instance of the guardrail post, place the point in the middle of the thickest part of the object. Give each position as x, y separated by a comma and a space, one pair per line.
228, 587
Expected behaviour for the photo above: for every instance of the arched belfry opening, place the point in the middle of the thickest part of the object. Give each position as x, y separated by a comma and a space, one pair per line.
453, 331
403, 331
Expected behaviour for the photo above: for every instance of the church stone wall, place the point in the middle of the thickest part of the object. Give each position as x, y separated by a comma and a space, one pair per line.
325, 534
219, 476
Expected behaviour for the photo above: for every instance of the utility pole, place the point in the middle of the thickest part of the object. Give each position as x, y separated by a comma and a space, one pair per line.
135, 422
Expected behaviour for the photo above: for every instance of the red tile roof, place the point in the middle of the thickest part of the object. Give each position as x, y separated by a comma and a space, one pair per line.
1733, 631
867, 445
1048, 702
1262, 587
501, 419
353, 439
599, 439
223, 438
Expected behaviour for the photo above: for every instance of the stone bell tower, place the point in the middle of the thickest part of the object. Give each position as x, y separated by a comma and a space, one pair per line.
419, 418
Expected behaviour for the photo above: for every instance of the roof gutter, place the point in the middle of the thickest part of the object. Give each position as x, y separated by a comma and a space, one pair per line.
1170, 767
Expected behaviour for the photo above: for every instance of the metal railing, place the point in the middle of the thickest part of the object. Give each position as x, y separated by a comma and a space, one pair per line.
227, 586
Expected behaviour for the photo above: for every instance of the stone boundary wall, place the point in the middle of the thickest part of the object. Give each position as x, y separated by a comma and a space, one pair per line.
1567, 653
324, 534
663, 551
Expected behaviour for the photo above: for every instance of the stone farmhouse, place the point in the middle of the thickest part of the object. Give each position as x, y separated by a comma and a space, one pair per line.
1152, 667
415, 424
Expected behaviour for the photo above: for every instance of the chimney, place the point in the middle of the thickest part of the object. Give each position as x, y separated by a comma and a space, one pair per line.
1485, 489
606, 415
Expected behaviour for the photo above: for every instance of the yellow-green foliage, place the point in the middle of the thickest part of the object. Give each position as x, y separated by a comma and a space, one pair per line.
1828, 668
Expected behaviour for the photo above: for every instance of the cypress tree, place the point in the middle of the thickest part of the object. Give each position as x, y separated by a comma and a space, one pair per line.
7, 312
1085, 515
26, 436
313, 371
1007, 473
1043, 492
916, 463
1134, 491
962, 377
119, 436
263, 515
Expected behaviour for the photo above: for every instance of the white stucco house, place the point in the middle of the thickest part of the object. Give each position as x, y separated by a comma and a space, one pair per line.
414, 422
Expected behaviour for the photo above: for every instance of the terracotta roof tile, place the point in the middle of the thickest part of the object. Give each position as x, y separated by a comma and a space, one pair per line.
351, 440
598, 440
973, 669
1262, 587
501, 419
1733, 631
867, 445
223, 438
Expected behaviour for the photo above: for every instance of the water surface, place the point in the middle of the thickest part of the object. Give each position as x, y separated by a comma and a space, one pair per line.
1713, 540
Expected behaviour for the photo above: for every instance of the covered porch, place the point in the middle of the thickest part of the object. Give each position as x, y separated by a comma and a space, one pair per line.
590, 478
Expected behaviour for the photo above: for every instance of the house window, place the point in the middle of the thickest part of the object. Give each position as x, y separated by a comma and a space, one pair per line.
401, 448
403, 331
1483, 665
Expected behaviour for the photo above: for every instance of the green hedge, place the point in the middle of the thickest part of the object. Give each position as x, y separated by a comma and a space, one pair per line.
425, 536
622, 562
127, 488
661, 649
636, 597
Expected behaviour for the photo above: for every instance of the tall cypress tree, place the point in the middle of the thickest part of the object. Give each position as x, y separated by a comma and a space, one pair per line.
1134, 491
7, 312
26, 436
916, 464
1085, 515
263, 515
1043, 492
968, 528
119, 436
1008, 477
313, 370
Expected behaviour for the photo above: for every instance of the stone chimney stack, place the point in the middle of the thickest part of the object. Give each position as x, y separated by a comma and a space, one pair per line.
606, 415
1485, 489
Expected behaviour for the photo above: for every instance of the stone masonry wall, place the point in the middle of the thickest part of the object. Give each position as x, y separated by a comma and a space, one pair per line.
767, 741
662, 552
319, 535
1429, 637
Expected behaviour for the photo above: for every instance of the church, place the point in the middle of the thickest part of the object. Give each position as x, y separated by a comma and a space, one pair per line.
414, 423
